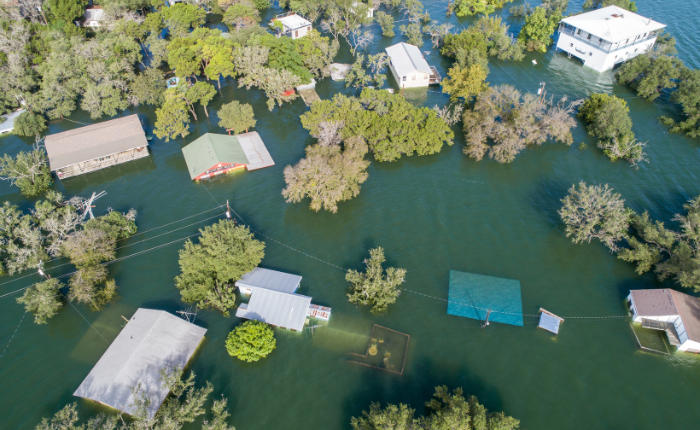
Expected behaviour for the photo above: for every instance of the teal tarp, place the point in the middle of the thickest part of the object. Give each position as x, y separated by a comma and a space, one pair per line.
472, 295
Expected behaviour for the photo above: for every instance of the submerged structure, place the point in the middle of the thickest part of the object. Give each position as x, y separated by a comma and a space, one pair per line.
215, 154
151, 342
605, 37
676, 313
96, 146
387, 350
273, 300
485, 298
291, 24
409, 67
9, 121
549, 321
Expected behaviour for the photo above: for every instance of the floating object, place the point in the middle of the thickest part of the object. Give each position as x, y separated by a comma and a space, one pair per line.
288, 93
372, 350
534, 62
339, 70
384, 342
549, 321
473, 296
172, 82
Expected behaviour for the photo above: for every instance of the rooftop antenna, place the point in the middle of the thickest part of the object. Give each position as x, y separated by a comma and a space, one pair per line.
487, 319
188, 314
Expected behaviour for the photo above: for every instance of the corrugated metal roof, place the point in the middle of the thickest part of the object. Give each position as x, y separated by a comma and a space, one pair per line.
276, 308
270, 279
209, 150
255, 151
549, 321
152, 340
406, 59
94, 141
9, 123
613, 23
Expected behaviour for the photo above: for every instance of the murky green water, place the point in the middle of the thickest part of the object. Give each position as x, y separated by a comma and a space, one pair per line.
431, 214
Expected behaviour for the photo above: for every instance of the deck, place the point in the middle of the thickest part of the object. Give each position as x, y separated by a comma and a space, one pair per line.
435, 77
309, 96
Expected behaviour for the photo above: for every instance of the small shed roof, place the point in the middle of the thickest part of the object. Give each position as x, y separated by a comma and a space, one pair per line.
613, 23
152, 340
255, 151
211, 149
293, 22
407, 58
94, 141
276, 308
94, 13
549, 321
666, 302
9, 123
270, 280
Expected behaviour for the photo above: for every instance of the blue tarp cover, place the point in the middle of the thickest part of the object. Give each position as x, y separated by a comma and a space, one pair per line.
471, 296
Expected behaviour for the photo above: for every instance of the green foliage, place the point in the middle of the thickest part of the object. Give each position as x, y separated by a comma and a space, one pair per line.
29, 124
649, 76
241, 15
182, 17
149, 87
67, 10
172, 118
283, 54
209, 269
625, 4
251, 341
375, 287
688, 95
595, 212
413, 32
202, 93
29, 171
539, 27
390, 125
358, 76
386, 22
464, 82
42, 299
451, 411
236, 117
116, 225
475, 7
488, 36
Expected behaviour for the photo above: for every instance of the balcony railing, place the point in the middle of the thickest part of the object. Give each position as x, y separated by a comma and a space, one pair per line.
435, 77
603, 45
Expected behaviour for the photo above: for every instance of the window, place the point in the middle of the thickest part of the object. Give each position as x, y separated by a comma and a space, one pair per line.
572, 45
413, 78
578, 31
404, 79
296, 33
589, 37
590, 54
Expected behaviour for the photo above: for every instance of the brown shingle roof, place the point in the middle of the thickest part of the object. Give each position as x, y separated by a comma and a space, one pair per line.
689, 310
94, 141
654, 303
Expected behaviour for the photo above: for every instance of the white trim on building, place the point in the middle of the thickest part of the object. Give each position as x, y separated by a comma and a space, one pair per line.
409, 67
294, 25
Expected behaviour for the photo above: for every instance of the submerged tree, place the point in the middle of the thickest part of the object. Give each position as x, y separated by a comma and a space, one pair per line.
251, 341
29, 171
210, 268
476, 7
539, 27
172, 118
43, 299
385, 21
375, 287
236, 117
595, 212
29, 124
465, 82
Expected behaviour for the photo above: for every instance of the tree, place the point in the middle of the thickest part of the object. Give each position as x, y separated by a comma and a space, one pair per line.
413, 33
608, 120
328, 175
512, 121
67, 10
450, 411
202, 93
375, 287
625, 4
149, 87
42, 299
251, 341
209, 269
358, 77
29, 124
236, 117
29, 171
241, 15
649, 76
595, 212
476, 7
539, 27
464, 82
181, 17
687, 95
489, 36
386, 22
172, 118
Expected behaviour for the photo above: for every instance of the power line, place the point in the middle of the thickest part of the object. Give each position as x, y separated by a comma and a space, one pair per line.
13, 335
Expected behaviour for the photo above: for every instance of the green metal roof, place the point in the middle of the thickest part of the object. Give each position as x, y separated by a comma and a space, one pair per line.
211, 149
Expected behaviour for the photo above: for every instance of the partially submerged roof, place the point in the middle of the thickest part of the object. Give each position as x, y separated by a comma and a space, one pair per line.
294, 21
9, 123
407, 58
689, 310
472, 295
613, 23
94, 13
276, 308
255, 151
94, 141
270, 280
549, 321
667, 302
211, 149
152, 340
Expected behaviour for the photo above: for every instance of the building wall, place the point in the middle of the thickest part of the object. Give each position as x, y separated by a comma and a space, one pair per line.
689, 346
103, 162
675, 319
219, 169
597, 59
299, 32
413, 80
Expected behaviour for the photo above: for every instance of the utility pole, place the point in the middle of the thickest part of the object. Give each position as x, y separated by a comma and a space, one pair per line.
228, 210
487, 319
541, 90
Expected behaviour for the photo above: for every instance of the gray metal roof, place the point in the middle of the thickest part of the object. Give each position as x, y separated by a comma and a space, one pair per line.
9, 123
276, 308
270, 280
255, 150
406, 59
152, 340
94, 141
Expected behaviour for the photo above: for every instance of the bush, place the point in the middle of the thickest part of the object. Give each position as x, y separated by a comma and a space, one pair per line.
251, 341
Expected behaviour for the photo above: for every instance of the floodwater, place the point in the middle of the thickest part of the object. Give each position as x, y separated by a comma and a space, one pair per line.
431, 214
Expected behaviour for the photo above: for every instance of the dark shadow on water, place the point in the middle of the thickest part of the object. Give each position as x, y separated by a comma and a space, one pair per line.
87, 182
546, 199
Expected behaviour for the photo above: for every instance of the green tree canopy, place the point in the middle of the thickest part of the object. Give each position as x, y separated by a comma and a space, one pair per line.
648, 76
210, 268
172, 118
29, 124
465, 82
251, 341
489, 36
29, 171
42, 299
539, 27
236, 117
476, 7
67, 10
181, 17
625, 4
375, 287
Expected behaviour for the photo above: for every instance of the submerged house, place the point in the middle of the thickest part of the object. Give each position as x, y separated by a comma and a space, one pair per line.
676, 313
273, 300
215, 154
8, 121
409, 67
291, 24
606, 37
96, 146
152, 341
94, 16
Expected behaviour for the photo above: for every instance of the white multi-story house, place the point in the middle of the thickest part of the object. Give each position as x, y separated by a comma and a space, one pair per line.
290, 24
676, 313
608, 36
409, 67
